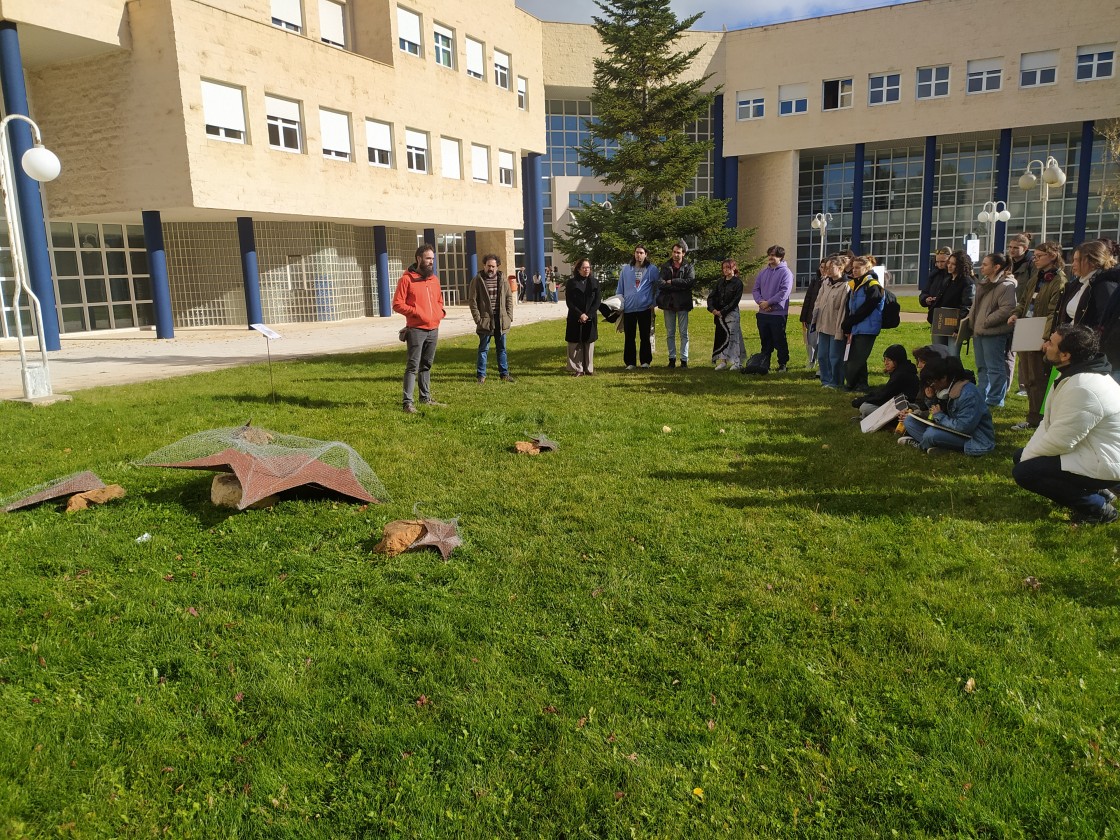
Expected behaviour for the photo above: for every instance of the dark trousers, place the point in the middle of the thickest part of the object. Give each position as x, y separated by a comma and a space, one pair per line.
855, 378
636, 322
421, 355
772, 334
1046, 477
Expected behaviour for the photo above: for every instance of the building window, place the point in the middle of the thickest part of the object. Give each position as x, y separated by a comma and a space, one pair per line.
883, 88
505, 168
480, 164
379, 143
750, 105
450, 154
287, 14
416, 150
332, 23
476, 64
836, 94
793, 99
335, 130
985, 75
933, 82
1095, 62
223, 107
1038, 68
522, 93
284, 131
444, 46
408, 31
501, 69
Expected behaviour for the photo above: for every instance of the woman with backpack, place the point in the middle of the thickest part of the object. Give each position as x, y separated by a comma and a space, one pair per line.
863, 322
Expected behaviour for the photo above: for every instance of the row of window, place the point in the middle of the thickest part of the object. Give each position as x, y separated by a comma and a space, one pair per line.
224, 114
1036, 69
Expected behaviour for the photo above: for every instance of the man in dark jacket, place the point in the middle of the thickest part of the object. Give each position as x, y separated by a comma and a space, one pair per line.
903, 380
674, 298
491, 303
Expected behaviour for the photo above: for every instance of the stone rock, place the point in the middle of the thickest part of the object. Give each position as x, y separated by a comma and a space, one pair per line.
81, 501
523, 447
399, 535
225, 491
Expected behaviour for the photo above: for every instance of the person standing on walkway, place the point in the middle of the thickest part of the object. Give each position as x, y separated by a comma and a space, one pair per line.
674, 298
491, 304
637, 283
772, 288
582, 298
420, 300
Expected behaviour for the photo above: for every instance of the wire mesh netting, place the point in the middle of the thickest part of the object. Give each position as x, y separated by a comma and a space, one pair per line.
56, 488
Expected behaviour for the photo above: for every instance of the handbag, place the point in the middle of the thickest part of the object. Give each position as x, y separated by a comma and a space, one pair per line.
403, 334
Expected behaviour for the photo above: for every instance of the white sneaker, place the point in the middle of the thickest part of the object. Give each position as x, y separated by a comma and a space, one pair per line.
629, 367
721, 364
1022, 426
645, 365
735, 367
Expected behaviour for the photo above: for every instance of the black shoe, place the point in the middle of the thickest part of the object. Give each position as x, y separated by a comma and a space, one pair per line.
684, 363
782, 368
1105, 516
672, 363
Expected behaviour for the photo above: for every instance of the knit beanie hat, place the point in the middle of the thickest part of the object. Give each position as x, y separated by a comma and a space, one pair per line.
896, 353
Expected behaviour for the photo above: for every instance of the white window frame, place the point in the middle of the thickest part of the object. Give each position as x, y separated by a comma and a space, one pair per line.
845, 96
332, 23
934, 84
476, 58
416, 150
889, 93
506, 173
750, 105
444, 53
284, 115
522, 93
287, 14
796, 97
985, 75
379, 143
223, 112
1038, 69
451, 158
480, 164
501, 69
334, 135
1099, 56
409, 26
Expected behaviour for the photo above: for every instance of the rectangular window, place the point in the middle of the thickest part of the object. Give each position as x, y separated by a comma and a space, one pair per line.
408, 31
836, 94
1038, 68
332, 23
416, 150
933, 82
284, 132
480, 164
750, 105
793, 99
450, 158
287, 14
505, 168
1095, 62
223, 108
522, 93
444, 46
335, 130
501, 69
985, 75
379, 143
883, 88
476, 63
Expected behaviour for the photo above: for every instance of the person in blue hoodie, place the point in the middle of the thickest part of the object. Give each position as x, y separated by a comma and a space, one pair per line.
772, 288
638, 284
961, 419
863, 322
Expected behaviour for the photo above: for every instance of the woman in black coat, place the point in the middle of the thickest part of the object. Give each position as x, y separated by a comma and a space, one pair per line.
957, 293
583, 298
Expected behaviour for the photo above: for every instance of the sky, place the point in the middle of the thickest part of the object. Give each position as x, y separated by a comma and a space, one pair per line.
734, 14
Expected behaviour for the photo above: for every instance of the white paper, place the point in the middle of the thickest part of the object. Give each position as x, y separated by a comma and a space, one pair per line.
267, 332
885, 415
1028, 334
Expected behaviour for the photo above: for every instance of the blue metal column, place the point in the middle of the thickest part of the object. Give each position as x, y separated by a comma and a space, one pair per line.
526, 217
27, 188
731, 184
1003, 185
471, 242
536, 257
925, 232
157, 268
250, 270
430, 238
857, 199
719, 174
381, 252
1084, 168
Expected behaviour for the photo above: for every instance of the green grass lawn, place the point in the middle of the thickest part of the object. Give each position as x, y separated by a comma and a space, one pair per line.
759, 623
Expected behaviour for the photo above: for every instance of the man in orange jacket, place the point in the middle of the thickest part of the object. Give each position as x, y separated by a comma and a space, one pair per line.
420, 300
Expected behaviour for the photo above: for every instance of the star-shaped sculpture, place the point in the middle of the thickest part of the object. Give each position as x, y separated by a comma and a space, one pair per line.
68, 485
442, 535
545, 443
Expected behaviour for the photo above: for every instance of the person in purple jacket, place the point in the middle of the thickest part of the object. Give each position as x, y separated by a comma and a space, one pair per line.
772, 288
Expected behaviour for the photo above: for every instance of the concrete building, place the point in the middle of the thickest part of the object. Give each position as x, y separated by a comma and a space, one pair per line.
226, 161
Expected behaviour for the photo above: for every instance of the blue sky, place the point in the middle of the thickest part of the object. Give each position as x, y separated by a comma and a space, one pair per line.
734, 14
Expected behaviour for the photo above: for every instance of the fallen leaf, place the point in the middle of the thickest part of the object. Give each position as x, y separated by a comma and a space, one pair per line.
550, 710
633, 756
970, 685
423, 700
192, 611
711, 725
612, 738
167, 770
36, 700
169, 578
596, 592
714, 701
238, 697
698, 793
618, 795
1032, 583
406, 755
42, 662
582, 722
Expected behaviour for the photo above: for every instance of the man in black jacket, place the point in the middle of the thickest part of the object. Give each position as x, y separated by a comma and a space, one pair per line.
674, 298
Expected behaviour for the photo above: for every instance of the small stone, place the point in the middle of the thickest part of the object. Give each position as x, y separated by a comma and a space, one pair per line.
225, 491
666, 429
399, 535
81, 501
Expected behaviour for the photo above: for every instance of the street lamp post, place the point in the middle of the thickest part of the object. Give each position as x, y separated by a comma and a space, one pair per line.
1052, 176
820, 222
992, 212
43, 165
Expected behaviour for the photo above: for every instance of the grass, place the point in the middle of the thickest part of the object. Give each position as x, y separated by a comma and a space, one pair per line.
760, 623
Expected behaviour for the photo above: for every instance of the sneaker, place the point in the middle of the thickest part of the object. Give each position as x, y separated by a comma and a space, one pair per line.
481, 379
1022, 392
673, 363
629, 367
410, 409
906, 440
433, 403
645, 364
735, 367
782, 369
1109, 496
507, 378
1022, 426
1106, 515
721, 364
684, 363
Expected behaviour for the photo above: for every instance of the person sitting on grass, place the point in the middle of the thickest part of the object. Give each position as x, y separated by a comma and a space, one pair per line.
902, 380
962, 421
922, 357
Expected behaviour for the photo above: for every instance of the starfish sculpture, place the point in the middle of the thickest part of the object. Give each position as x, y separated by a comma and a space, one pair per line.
441, 535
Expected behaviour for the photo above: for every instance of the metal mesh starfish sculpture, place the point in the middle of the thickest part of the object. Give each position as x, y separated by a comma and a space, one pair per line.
66, 486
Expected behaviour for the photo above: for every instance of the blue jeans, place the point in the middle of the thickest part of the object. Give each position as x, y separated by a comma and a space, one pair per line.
991, 367
772, 333
676, 321
1045, 476
928, 437
830, 354
483, 350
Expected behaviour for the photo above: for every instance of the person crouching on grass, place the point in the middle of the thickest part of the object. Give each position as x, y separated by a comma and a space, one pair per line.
962, 421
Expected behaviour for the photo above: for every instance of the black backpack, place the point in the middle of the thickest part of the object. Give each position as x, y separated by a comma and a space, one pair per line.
758, 363
892, 310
